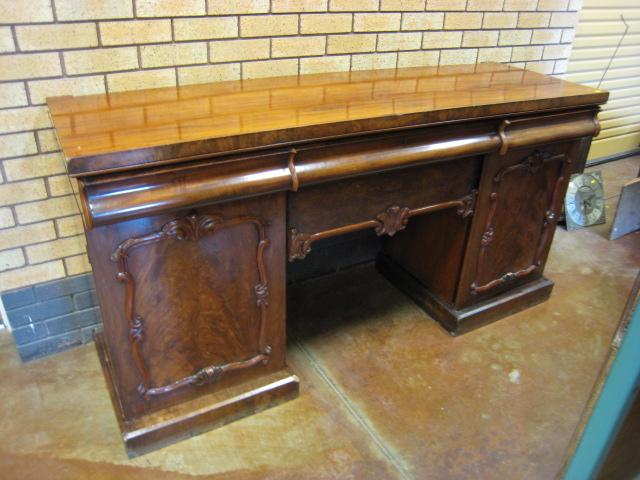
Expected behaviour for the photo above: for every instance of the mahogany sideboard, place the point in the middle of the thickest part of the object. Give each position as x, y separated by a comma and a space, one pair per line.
195, 198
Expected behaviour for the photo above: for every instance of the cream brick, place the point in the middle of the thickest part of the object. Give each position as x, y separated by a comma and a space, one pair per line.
170, 8
225, 7
269, 68
388, 42
558, 5
11, 259
60, 185
480, 38
353, 5
118, 82
32, 274
17, 144
458, 20
39, 90
533, 19
514, 37
101, 60
173, 54
12, 95
297, 46
402, 5
355, 42
373, 61
93, 9
568, 35
68, 226
284, 6
564, 19
499, 20
441, 39
418, 59
205, 28
552, 52
6, 218
24, 118
63, 247
460, 56
135, 31
376, 22
422, 21
446, 5
500, 54
575, 5
560, 67
545, 67
234, 50
57, 37
325, 23
208, 73
546, 36
523, 54
484, 5
19, 192
46, 209
268, 25
29, 65
33, 11
77, 265
47, 140
36, 166
520, 5
18, 236
6, 40
335, 63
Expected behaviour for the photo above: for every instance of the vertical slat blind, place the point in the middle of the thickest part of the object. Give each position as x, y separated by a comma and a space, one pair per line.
597, 35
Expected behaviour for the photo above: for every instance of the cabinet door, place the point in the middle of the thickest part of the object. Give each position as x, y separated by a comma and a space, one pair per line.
192, 301
519, 201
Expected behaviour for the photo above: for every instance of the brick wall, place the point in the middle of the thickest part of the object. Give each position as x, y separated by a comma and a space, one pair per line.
60, 47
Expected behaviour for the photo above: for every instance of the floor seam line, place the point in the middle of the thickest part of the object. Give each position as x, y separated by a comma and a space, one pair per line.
352, 410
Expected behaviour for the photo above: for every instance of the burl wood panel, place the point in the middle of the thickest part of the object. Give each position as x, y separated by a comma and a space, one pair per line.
134, 129
519, 202
193, 300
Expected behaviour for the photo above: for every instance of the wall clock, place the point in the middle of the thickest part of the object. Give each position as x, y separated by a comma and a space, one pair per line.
584, 202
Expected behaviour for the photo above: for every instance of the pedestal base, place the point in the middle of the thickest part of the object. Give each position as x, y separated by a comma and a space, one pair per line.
197, 416
458, 321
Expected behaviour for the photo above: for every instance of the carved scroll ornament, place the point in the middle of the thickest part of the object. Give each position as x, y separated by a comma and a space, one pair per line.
388, 222
532, 164
190, 228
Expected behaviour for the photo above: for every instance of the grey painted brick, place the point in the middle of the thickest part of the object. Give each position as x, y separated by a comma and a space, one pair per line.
73, 321
18, 298
65, 286
85, 300
87, 332
39, 311
30, 333
49, 345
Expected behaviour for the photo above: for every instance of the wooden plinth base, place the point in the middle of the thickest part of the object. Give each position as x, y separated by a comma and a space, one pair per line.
461, 321
197, 416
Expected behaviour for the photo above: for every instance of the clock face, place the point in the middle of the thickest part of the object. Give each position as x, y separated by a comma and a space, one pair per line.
584, 203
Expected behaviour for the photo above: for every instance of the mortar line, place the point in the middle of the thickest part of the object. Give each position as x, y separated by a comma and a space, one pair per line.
386, 451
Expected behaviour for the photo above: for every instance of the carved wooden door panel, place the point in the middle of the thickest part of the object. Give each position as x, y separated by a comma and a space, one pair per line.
519, 201
193, 293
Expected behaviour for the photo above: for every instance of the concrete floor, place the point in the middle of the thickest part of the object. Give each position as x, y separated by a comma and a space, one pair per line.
385, 392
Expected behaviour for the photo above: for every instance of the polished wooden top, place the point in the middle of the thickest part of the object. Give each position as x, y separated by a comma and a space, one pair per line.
116, 131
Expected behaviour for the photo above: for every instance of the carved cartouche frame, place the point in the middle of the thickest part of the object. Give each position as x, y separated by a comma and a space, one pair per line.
191, 228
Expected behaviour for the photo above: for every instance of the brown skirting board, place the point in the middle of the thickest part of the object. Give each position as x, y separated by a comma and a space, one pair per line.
202, 414
456, 321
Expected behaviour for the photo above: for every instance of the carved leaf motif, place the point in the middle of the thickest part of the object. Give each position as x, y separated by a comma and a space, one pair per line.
262, 292
392, 220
